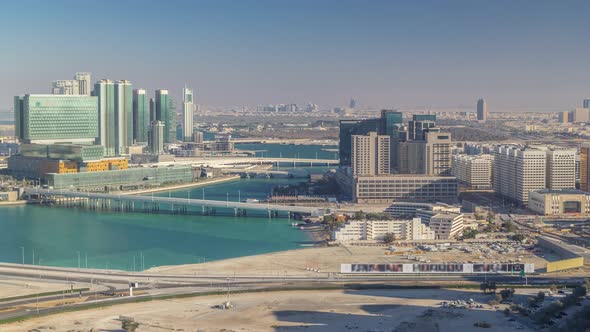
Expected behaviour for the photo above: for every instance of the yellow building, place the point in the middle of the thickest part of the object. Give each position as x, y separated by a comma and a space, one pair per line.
104, 165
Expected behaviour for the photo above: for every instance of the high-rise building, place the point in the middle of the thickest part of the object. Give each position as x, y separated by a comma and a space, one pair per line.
370, 154
198, 137
140, 116
105, 91
518, 170
473, 171
419, 125
561, 168
84, 83
482, 110
124, 116
431, 156
65, 87
153, 116
167, 115
353, 127
580, 115
188, 108
585, 167
157, 137
48, 119
352, 104
563, 117
586, 103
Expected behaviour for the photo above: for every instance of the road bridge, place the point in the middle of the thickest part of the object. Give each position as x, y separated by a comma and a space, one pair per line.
156, 204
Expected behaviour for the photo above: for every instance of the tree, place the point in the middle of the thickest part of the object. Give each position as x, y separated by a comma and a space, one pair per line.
509, 227
389, 238
129, 325
540, 296
328, 218
491, 216
507, 293
360, 215
580, 291
518, 237
469, 233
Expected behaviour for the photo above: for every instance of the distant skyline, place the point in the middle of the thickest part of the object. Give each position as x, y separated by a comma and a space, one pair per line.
406, 54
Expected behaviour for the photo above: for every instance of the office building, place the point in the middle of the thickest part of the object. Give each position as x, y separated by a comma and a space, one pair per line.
132, 178
64, 87
84, 83
519, 170
399, 187
375, 230
153, 116
140, 116
563, 117
188, 108
580, 115
419, 125
561, 168
551, 202
353, 127
446, 225
157, 137
430, 156
585, 167
370, 154
482, 110
105, 91
123, 116
115, 104
475, 172
198, 137
56, 119
420, 210
166, 113
586, 103
390, 123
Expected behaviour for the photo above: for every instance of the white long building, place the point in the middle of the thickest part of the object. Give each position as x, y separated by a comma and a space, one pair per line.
445, 220
375, 230
473, 171
518, 170
188, 108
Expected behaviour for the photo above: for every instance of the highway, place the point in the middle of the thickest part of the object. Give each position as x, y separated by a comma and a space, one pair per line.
154, 285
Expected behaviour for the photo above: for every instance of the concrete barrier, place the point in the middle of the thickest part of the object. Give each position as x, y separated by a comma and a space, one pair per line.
565, 264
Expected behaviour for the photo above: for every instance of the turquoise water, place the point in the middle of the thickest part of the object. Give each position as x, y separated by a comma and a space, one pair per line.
112, 240
290, 151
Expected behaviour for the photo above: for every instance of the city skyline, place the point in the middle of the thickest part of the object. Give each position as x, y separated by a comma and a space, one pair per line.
385, 53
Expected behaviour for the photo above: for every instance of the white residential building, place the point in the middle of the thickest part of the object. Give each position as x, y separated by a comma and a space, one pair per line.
84, 83
446, 225
375, 230
64, 87
518, 170
473, 171
188, 109
561, 168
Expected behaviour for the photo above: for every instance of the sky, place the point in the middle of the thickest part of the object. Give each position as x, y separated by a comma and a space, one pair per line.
517, 54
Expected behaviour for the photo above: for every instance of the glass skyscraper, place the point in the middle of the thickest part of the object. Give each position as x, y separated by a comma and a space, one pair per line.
115, 109
140, 116
56, 119
167, 115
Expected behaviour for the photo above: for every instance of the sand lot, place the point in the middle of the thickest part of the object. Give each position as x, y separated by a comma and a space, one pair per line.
342, 310
326, 259
11, 287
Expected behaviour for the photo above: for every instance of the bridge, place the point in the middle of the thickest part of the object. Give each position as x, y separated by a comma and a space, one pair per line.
225, 161
157, 204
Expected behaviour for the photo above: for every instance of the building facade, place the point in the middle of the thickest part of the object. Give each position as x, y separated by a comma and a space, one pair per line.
473, 171
551, 202
56, 119
188, 109
370, 154
519, 170
140, 116
430, 156
561, 168
400, 187
156, 142
482, 110
375, 230
84, 83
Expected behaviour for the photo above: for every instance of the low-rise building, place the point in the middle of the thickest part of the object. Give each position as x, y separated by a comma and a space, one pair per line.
375, 230
411, 209
391, 188
559, 201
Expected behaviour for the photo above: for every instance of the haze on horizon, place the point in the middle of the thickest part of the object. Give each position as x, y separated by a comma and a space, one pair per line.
521, 55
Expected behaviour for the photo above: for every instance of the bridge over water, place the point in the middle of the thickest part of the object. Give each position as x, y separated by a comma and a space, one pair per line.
158, 204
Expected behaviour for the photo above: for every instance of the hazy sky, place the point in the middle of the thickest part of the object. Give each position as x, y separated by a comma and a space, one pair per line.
515, 53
